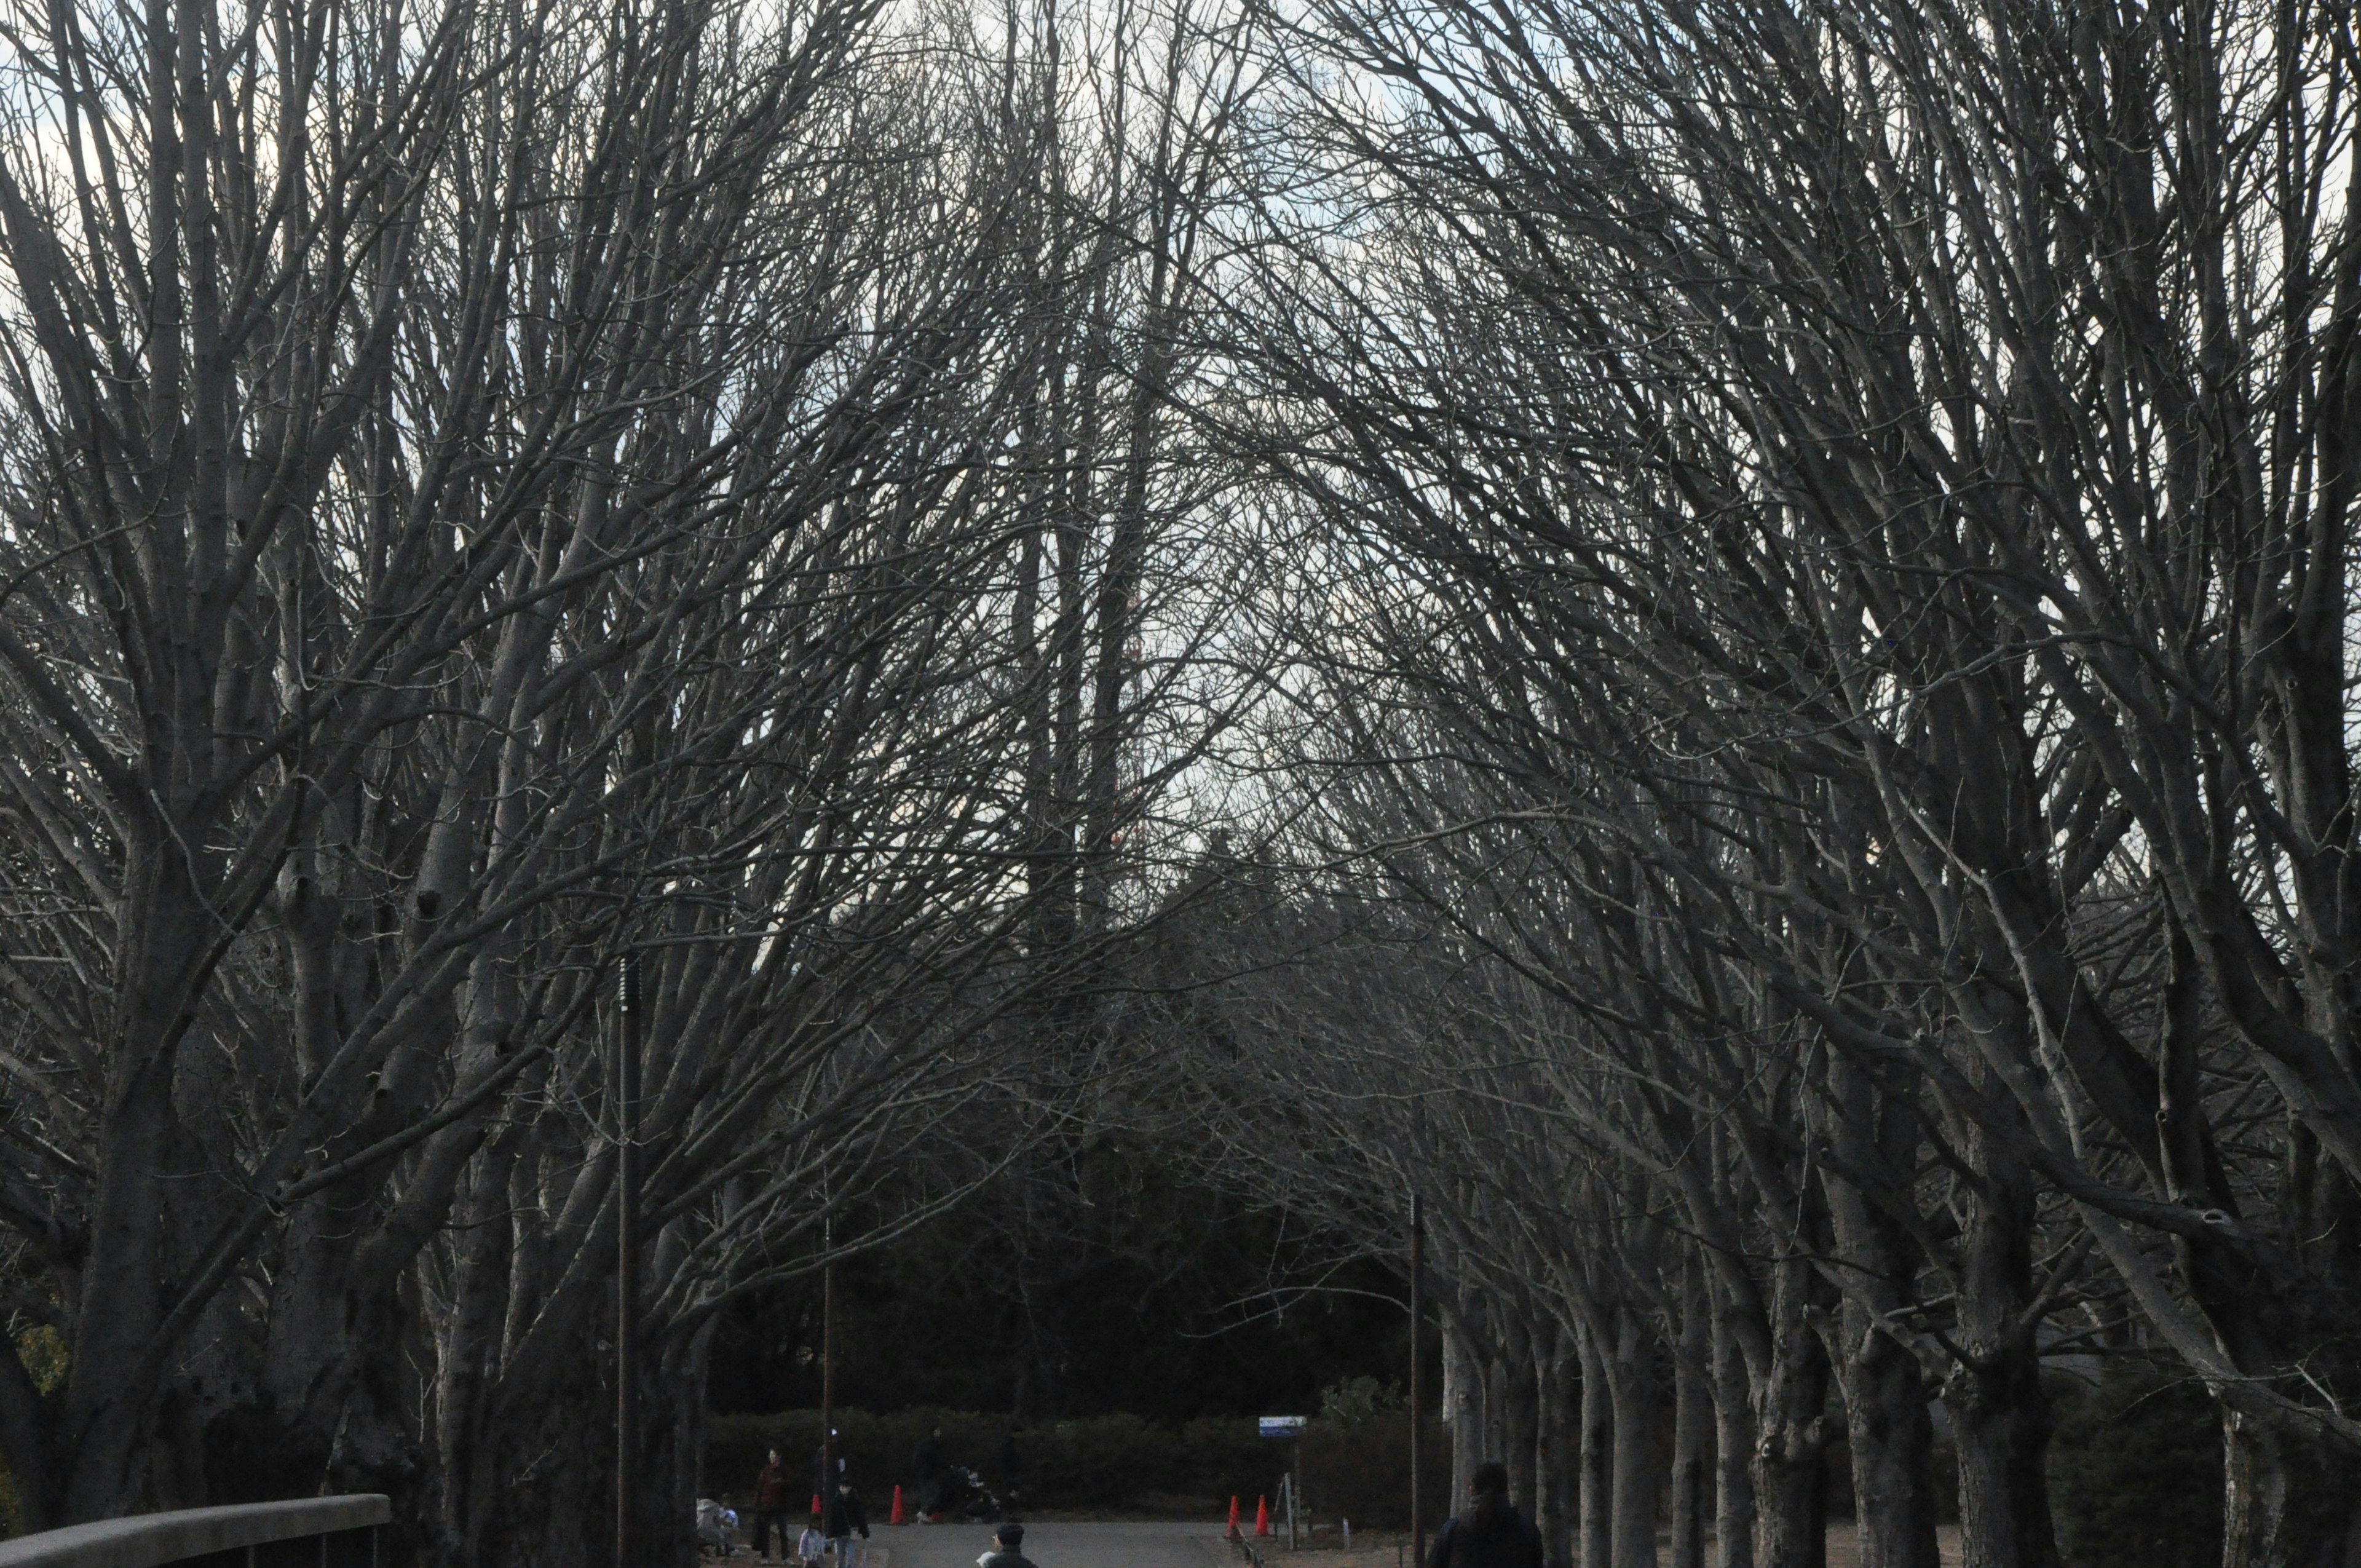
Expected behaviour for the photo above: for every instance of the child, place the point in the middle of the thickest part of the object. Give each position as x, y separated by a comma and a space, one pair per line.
729, 1525
812, 1546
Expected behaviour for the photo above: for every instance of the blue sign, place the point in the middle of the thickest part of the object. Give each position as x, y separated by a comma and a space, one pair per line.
1283, 1426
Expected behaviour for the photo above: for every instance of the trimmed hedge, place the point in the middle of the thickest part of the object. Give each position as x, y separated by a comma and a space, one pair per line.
1360, 1471
1355, 1459
1102, 1462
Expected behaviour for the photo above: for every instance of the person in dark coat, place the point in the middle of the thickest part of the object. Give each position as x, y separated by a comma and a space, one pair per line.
771, 1509
1006, 1540
1489, 1533
846, 1519
928, 1465
1011, 1463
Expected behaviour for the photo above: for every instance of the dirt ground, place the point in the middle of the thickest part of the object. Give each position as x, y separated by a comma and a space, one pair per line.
1844, 1552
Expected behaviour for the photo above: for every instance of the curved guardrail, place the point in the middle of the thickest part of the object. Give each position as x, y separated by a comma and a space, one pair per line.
306, 1532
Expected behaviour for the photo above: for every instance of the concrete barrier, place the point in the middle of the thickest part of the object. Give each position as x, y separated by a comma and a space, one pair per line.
306, 1532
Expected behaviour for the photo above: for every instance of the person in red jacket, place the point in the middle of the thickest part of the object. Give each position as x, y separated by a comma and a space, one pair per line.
771, 1509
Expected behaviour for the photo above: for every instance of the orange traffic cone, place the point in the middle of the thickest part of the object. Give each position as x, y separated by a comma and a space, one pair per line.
898, 1516
1262, 1515
1234, 1519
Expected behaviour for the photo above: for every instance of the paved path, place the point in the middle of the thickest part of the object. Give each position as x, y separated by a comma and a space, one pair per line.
1056, 1544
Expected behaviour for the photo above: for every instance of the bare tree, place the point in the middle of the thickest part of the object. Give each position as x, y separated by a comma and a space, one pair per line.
497, 490
1851, 491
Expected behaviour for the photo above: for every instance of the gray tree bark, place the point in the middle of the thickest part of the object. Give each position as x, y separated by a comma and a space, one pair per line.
1694, 1428
1463, 1406
1596, 1500
1638, 1474
1733, 1434
1521, 1414
1556, 1449
1791, 1495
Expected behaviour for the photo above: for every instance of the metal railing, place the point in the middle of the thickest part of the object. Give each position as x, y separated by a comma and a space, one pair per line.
307, 1532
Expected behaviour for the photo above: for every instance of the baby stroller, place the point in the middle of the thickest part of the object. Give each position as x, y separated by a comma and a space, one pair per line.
969, 1500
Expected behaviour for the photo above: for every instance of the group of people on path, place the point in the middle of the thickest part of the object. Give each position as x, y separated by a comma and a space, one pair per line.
832, 1529
839, 1528
1487, 1534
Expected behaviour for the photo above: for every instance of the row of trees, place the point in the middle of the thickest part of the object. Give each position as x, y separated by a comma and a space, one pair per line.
1808, 815
493, 489
1821, 794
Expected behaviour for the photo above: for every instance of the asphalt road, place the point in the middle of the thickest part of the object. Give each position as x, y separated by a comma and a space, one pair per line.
1056, 1544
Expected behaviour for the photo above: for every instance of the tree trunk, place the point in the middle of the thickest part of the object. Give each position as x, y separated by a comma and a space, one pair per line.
1555, 1485
1891, 1443
1632, 1384
112, 1390
466, 1341
1494, 1443
672, 1428
1462, 1404
1598, 1456
1874, 1130
2000, 1416
1733, 1440
1521, 1415
1791, 1493
2253, 1495
1693, 1422
2001, 1419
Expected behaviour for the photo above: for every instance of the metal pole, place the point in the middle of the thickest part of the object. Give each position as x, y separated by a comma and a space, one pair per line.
828, 1365
627, 1252
1417, 1385
1295, 1497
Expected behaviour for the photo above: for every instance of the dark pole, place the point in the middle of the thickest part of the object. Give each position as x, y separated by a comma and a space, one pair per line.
828, 1365
1296, 1507
1417, 1385
627, 1254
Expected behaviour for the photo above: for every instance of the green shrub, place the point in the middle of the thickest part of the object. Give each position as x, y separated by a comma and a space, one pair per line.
1357, 1458
2135, 1473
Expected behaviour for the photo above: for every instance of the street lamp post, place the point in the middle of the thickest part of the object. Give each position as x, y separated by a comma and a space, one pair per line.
828, 1363
627, 1254
1417, 1398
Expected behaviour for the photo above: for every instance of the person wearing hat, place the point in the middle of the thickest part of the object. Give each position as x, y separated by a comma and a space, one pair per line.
846, 1519
1006, 1540
1489, 1533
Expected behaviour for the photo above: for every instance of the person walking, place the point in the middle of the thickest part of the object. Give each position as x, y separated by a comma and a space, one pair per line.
813, 1544
770, 1508
1489, 1532
1011, 1464
846, 1519
926, 1465
1005, 1552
